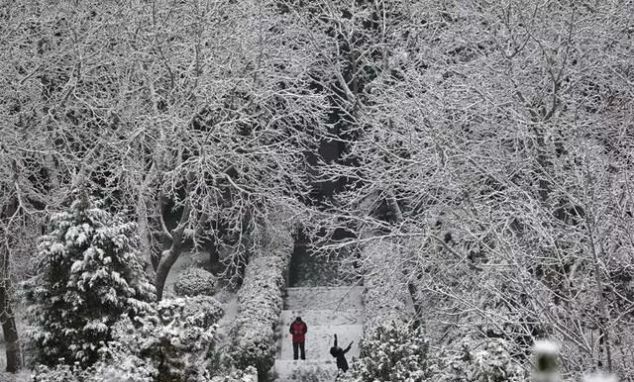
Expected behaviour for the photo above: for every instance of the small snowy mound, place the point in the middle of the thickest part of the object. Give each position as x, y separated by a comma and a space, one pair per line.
195, 282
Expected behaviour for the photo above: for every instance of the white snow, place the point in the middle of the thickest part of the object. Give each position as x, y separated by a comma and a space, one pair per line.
326, 311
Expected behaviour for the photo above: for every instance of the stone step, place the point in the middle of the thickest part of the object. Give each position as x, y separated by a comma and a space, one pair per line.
304, 371
323, 317
324, 298
319, 340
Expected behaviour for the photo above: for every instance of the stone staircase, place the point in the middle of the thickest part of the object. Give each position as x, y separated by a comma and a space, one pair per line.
326, 311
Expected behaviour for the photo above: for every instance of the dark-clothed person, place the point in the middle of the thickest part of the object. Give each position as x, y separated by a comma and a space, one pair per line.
340, 354
298, 329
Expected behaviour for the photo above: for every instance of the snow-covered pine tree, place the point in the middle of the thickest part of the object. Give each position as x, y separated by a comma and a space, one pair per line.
89, 276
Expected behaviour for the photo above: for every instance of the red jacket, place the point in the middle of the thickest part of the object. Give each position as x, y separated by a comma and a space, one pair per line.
298, 330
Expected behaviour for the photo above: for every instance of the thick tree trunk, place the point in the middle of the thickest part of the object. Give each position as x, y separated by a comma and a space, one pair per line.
170, 256
167, 260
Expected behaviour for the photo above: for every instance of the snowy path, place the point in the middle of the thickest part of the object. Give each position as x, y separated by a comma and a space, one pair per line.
326, 311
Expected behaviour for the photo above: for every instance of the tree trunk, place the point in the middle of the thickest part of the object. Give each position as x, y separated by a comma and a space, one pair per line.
170, 256
143, 223
14, 358
418, 308
411, 285
144, 234
7, 317
604, 324
167, 260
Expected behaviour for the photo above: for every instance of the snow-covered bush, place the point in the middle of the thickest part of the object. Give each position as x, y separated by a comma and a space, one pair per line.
175, 340
125, 368
195, 281
170, 343
478, 360
89, 275
493, 363
260, 299
394, 351
311, 374
250, 374
260, 303
61, 372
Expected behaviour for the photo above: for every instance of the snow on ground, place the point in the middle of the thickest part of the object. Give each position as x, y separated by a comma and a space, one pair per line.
326, 311
230, 305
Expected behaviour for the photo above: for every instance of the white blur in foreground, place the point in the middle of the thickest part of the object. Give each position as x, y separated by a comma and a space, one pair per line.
600, 377
546, 347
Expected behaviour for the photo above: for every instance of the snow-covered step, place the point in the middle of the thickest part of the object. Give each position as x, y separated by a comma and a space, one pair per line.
324, 298
323, 317
302, 371
319, 340
326, 311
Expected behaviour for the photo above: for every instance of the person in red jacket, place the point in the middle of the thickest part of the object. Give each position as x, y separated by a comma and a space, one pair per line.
298, 330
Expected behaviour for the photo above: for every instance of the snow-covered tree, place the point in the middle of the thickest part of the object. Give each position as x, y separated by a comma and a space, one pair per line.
89, 276
176, 339
394, 351
493, 151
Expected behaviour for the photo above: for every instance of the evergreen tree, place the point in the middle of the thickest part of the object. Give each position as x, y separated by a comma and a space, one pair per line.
89, 276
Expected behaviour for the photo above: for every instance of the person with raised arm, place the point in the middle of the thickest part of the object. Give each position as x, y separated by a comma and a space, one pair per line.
340, 355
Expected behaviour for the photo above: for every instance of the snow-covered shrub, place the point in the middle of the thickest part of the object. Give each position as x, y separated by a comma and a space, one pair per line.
194, 282
202, 311
260, 303
125, 368
61, 372
250, 374
89, 276
312, 374
478, 360
260, 299
394, 351
170, 343
493, 363
175, 340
